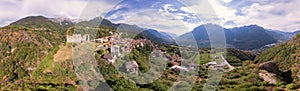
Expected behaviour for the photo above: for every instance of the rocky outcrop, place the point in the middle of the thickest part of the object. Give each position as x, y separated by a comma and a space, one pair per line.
270, 67
270, 72
296, 73
287, 58
268, 76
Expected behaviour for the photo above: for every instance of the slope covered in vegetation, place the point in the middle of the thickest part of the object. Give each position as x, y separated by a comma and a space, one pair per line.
39, 23
26, 56
286, 56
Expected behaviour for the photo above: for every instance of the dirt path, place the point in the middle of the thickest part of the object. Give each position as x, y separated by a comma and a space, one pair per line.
230, 66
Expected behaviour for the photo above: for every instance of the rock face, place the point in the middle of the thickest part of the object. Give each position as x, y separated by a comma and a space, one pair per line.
268, 77
287, 58
271, 73
296, 73
270, 67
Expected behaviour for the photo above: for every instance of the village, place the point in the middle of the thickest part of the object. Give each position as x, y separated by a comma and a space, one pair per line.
114, 47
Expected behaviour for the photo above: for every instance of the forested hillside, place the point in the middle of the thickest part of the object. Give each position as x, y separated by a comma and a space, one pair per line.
35, 56
286, 56
27, 54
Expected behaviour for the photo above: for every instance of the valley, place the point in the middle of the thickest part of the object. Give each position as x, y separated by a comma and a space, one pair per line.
38, 53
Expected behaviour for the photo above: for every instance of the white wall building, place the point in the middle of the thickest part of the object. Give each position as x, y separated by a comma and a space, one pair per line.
78, 38
115, 49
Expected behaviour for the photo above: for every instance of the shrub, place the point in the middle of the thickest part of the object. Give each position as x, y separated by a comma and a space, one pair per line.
280, 84
276, 89
264, 83
291, 86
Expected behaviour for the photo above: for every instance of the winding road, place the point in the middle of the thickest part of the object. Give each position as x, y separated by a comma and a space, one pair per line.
230, 66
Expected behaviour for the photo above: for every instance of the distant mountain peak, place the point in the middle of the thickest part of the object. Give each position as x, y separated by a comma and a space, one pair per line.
32, 18
246, 37
209, 24
65, 19
250, 27
296, 32
39, 22
253, 25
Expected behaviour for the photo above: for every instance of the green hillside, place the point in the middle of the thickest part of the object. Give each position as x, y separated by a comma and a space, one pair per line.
34, 56
236, 57
286, 56
26, 58
38, 22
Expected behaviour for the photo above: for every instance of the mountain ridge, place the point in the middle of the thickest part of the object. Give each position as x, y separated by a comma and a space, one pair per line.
39, 23
245, 37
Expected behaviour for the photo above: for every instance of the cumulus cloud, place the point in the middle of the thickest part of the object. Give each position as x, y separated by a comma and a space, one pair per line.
274, 14
224, 13
169, 7
227, 1
170, 17
153, 19
13, 10
209, 11
179, 18
280, 15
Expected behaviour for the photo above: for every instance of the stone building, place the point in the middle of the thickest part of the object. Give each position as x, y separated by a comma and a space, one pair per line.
110, 58
115, 49
132, 67
78, 38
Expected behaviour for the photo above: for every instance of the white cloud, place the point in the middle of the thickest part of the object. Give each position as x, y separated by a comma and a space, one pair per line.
273, 14
169, 7
158, 18
16, 9
210, 11
224, 13
227, 1
186, 9
282, 15
152, 18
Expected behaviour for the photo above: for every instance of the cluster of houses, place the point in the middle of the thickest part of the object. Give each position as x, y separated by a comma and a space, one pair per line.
140, 43
104, 43
216, 65
118, 46
176, 63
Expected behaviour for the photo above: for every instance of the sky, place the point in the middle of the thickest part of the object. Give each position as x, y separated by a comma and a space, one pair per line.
174, 16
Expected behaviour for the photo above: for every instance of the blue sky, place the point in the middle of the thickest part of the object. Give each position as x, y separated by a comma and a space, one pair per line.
164, 15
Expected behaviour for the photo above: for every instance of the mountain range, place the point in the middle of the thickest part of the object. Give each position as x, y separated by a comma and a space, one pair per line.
39, 22
30, 46
246, 37
282, 36
154, 35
